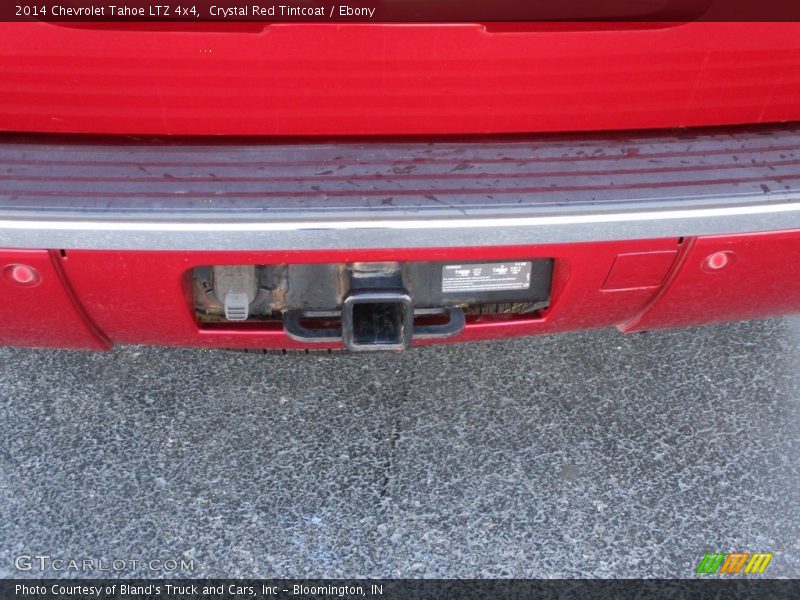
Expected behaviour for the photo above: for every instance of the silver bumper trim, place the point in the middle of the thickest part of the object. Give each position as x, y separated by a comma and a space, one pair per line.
781, 213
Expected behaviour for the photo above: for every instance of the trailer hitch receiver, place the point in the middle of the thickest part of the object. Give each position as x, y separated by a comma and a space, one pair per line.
375, 320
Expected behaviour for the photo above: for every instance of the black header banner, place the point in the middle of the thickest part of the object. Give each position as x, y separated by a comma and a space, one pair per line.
399, 11
373, 589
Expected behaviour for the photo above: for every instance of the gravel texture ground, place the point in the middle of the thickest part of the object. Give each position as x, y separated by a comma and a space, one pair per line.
581, 455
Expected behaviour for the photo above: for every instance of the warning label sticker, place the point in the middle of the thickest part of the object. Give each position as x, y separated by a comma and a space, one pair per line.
486, 277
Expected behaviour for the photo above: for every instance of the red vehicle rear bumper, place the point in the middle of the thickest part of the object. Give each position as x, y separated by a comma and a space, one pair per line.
638, 232
94, 299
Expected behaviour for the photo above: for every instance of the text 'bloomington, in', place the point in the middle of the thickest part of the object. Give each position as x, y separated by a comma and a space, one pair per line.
192, 590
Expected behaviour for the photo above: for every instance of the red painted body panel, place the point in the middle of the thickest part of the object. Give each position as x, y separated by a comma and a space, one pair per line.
292, 79
45, 312
145, 297
760, 276
640, 269
103, 281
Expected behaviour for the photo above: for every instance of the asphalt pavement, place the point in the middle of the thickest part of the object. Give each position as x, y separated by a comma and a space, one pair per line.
581, 455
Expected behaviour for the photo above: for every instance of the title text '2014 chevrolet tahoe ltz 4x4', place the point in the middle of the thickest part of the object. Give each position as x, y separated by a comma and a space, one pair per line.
375, 185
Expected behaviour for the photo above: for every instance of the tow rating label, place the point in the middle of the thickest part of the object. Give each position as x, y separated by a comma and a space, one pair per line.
486, 277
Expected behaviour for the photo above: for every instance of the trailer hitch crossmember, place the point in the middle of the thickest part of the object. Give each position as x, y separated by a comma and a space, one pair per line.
373, 321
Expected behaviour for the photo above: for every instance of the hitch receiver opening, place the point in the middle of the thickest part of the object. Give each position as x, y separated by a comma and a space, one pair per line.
377, 320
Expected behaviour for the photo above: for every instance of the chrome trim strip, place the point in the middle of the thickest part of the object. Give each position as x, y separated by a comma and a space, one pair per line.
782, 212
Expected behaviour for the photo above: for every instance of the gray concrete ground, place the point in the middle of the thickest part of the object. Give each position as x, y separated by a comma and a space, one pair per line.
589, 454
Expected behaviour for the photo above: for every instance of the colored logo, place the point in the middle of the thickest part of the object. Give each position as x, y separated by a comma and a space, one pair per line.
733, 563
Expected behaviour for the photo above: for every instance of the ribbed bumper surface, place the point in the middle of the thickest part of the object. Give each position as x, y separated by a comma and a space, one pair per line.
130, 194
